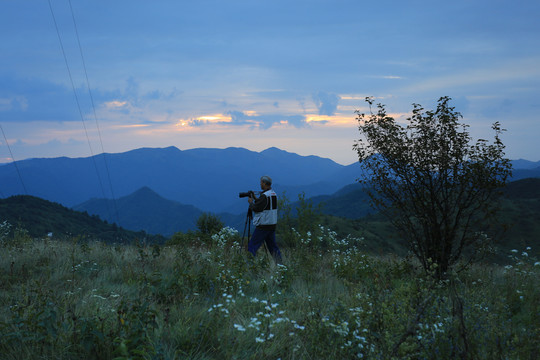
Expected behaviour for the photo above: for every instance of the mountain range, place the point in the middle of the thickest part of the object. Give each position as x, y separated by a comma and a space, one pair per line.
209, 179
165, 190
343, 212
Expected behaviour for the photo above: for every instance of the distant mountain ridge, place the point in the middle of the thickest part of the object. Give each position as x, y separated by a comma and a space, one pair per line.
155, 215
207, 179
523, 164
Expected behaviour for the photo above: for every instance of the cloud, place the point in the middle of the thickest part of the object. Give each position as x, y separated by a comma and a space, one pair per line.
268, 120
133, 93
23, 100
13, 103
29, 99
239, 118
326, 103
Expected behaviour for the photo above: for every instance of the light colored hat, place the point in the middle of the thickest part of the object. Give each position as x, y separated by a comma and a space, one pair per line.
266, 179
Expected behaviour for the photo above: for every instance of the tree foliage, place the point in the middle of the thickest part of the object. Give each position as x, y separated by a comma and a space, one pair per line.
209, 224
436, 186
301, 217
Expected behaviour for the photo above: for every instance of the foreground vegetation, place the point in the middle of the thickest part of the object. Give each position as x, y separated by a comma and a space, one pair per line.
67, 300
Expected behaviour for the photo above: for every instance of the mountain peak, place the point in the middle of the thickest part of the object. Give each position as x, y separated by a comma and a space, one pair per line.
144, 193
145, 190
274, 151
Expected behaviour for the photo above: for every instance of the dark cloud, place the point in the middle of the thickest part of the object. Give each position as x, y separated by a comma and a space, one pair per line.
36, 100
267, 121
133, 94
25, 100
239, 118
326, 103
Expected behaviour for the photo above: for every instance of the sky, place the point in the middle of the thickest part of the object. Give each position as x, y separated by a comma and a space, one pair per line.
80, 77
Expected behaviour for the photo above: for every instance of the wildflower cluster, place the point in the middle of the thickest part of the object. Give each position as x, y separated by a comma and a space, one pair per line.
434, 331
526, 267
229, 261
5, 228
86, 268
346, 254
351, 330
263, 325
523, 263
283, 276
229, 281
226, 238
326, 239
223, 307
304, 240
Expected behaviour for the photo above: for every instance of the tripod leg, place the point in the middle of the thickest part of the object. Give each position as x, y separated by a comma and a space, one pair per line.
247, 225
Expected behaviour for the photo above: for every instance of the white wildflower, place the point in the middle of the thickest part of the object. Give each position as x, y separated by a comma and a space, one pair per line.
239, 327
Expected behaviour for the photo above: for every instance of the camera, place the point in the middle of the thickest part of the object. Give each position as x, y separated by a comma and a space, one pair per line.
249, 193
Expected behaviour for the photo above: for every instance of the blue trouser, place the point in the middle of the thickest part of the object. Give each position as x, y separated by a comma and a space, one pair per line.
269, 237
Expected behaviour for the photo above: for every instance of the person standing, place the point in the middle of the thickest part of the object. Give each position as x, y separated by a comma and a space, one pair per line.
265, 218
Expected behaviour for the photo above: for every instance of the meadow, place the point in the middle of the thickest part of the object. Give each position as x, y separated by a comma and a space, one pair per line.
330, 299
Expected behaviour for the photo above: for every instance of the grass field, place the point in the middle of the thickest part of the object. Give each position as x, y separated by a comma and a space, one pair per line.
328, 300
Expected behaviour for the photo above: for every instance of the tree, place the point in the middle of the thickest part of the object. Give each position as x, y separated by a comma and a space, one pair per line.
436, 187
209, 224
303, 219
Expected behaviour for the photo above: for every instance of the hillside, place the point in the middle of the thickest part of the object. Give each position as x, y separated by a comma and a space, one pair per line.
145, 210
350, 202
41, 217
521, 214
347, 211
518, 225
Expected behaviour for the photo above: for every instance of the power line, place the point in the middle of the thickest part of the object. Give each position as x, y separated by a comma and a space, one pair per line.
94, 110
76, 98
14, 162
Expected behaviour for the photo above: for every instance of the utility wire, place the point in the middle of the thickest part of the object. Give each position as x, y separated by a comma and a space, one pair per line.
94, 110
76, 98
14, 162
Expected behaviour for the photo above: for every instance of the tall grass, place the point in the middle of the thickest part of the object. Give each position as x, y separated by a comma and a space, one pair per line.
329, 299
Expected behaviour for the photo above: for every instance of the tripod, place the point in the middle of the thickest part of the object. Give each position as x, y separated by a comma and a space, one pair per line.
247, 225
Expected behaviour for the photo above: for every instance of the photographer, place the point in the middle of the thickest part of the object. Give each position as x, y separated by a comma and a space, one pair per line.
265, 219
